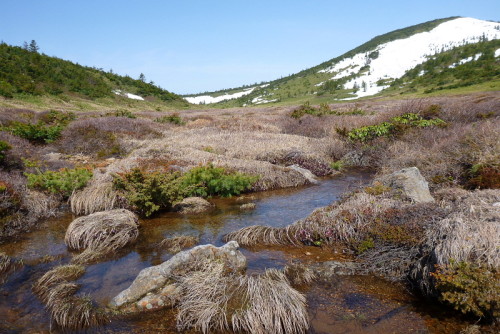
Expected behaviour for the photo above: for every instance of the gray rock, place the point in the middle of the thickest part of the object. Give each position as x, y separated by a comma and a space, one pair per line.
410, 183
154, 279
192, 205
310, 177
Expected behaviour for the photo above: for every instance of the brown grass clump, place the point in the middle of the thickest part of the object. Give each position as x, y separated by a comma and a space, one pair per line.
176, 244
40, 204
54, 277
469, 234
68, 311
345, 222
103, 231
263, 235
99, 196
259, 304
5, 263
103, 137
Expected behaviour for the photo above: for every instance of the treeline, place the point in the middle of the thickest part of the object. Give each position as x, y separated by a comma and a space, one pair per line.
23, 70
444, 71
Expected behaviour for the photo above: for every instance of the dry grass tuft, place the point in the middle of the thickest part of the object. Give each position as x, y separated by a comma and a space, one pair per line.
68, 311
340, 222
99, 196
176, 244
263, 235
40, 204
5, 263
76, 313
89, 256
259, 304
103, 231
471, 233
54, 277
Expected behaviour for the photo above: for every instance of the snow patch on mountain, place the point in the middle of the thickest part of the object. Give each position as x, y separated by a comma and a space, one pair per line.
206, 99
466, 60
128, 95
396, 57
497, 53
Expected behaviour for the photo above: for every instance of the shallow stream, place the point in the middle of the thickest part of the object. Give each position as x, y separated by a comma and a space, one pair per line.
354, 304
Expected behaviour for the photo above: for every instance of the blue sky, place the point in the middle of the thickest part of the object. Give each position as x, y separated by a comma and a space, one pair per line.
193, 46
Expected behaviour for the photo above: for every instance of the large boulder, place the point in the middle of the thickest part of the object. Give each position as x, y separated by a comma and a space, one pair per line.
410, 184
192, 205
155, 286
310, 177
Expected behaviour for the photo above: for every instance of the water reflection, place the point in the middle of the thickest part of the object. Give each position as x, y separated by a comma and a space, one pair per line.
20, 310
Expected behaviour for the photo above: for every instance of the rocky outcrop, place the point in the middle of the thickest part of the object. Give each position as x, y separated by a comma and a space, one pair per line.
310, 177
193, 205
155, 287
410, 184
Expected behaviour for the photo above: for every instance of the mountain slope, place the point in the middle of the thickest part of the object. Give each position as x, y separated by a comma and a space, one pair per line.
27, 72
373, 67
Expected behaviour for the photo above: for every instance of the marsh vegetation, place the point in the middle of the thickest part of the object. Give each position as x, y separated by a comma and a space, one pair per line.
146, 164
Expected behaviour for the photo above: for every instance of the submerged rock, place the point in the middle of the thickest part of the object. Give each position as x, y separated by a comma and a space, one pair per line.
310, 177
410, 183
151, 282
327, 270
192, 205
248, 206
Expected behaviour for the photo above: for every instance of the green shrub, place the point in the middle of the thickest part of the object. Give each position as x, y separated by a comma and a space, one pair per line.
397, 125
36, 133
149, 192
172, 118
337, 165
124, 113
469, 288
209, 180
56, 117
62, 182
4, 147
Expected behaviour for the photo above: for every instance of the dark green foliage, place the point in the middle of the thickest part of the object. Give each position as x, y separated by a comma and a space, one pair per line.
124, 113
323, 110
469, 288
25, 71
149, 192
39, 132
62, 182
443, 70
4, 147
173, 118
397, 125
209, 180
56, 117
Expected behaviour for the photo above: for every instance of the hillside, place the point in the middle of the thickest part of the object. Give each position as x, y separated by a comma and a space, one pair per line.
26, 73
440, 49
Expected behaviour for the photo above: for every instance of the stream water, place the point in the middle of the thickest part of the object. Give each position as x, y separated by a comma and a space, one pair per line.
354, 304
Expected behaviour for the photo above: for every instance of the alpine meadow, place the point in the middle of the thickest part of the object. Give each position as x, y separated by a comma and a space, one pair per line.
360, 195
